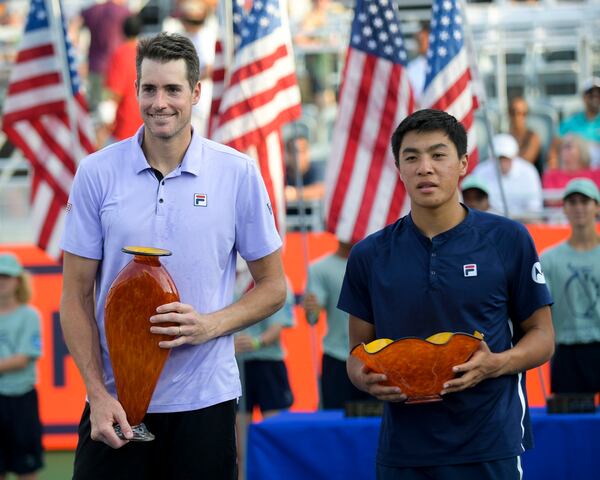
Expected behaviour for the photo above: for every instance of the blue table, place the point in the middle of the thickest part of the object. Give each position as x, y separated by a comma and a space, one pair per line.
327, 446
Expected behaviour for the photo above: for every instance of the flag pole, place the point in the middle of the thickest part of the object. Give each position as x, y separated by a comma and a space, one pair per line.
226, 9
471, 56
55, 21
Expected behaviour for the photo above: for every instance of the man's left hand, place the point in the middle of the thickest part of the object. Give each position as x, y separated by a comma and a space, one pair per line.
190, 326
483, 364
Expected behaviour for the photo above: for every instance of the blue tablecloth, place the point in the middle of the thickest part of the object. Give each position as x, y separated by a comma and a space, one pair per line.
327, 446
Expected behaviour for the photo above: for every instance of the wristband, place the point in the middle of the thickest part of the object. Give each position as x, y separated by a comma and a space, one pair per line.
256, 343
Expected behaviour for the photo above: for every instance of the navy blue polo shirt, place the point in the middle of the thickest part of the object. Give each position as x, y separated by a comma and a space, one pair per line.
484, 274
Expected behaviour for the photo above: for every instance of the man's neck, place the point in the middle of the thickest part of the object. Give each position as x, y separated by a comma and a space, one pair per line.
584, 238
165, 154
8, 304
432, 222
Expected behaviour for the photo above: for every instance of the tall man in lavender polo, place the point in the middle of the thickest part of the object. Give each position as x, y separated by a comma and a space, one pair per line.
168, 187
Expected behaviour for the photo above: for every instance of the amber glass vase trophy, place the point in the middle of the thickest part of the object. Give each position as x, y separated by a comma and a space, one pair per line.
420, 367
136, 358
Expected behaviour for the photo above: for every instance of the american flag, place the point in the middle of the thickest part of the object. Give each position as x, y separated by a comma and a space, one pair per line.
36, 118
364, 192
449, 81
259, 92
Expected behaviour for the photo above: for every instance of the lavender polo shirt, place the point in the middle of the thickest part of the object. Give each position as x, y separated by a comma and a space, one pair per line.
213, 205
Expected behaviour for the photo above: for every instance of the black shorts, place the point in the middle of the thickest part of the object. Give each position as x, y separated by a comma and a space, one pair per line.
194, 445
20, 434
504, 469
575, 368
336, 387
266, 385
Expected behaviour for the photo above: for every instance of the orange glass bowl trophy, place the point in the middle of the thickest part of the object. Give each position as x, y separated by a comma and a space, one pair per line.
419, 367
136, 358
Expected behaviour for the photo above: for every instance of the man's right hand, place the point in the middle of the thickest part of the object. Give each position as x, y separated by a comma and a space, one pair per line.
104, 413
368, 381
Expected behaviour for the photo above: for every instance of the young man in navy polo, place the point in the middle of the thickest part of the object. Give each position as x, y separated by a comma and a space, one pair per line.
445, 267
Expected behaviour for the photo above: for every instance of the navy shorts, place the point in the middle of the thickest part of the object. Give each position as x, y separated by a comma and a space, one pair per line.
266, 385
20, 434
572, 370
504, 469
336, 387
190, 445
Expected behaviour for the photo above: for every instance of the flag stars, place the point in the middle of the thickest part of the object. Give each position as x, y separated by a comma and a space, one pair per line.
457, 35
378, 22
367, 31
444, 35
373, 9
264, 22
442, 51
447, 5
393, 28
383, 37
372, 44
458, 19
445, 21
362, 17
389, 15
388, 49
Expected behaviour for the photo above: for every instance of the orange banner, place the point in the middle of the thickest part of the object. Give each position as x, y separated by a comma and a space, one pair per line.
61, 390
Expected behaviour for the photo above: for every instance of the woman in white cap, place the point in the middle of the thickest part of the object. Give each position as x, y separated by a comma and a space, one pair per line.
20, 346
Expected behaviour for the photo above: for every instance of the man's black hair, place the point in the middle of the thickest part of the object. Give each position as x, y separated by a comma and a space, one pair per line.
430, 121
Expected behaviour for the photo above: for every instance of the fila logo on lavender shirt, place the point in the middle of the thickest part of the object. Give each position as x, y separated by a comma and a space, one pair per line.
470, 270
200, 199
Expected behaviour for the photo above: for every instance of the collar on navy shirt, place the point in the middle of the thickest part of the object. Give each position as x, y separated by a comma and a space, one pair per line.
191, 162
442, 237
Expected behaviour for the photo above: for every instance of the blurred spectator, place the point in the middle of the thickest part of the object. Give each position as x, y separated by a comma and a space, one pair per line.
196, 20
119, 112
520, 180
319, 35
417, 67
586, 124
263, 371
530, 146
20, 347
322, 292
572, 272
573, 161
475, 193
105, 24
311, 174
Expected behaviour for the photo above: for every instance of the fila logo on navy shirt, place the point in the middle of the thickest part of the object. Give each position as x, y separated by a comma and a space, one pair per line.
200, 199
470, 270
537, 274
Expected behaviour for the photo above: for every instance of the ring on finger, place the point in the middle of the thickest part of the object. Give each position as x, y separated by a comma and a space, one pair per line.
180, 330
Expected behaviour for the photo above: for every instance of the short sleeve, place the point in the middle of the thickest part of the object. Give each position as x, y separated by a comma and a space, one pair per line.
29, 339
355, 296
527, 284
255, 232
547, 261
83, 230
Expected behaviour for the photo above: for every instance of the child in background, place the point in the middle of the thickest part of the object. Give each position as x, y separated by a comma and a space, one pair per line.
20, 427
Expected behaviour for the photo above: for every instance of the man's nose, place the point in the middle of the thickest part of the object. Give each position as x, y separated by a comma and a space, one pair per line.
425, 165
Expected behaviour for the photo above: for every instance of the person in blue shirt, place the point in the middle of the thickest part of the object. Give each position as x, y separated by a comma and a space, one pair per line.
410, 279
